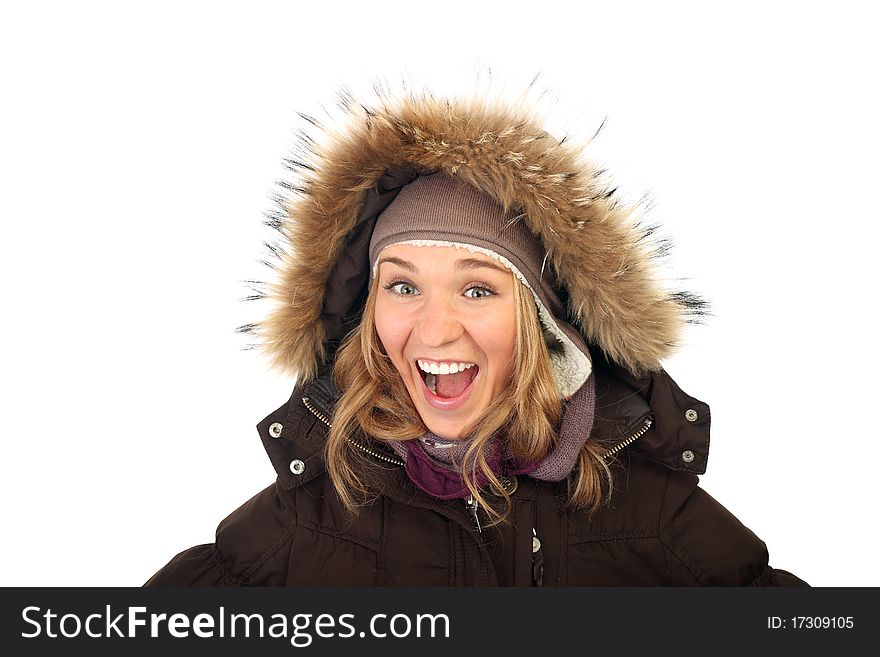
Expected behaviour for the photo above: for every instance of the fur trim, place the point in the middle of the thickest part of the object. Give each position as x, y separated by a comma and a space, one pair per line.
596, 246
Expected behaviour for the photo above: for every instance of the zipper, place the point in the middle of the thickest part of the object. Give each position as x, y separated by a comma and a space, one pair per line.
472, 505
382, 457
638, 434
509, 484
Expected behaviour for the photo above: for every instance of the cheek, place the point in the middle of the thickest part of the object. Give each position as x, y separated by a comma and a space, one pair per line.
392, 333
499, 343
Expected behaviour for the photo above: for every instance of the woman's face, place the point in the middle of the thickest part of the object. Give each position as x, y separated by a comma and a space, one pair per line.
443, 305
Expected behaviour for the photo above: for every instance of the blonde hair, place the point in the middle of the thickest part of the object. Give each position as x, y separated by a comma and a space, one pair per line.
375, 403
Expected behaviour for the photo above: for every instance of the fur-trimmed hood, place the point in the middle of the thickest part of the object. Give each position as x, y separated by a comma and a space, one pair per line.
598, 250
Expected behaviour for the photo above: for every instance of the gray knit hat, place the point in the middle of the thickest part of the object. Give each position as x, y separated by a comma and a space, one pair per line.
442, 210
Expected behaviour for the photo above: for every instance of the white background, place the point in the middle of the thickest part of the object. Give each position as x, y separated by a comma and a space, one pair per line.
139, 146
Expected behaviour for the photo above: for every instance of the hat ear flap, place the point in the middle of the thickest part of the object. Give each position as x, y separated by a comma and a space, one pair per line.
554, 344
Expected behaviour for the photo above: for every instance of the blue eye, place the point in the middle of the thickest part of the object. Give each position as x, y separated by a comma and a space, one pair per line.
488, 291
393, 284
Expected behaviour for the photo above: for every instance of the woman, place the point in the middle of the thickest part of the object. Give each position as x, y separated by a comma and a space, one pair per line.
477, 337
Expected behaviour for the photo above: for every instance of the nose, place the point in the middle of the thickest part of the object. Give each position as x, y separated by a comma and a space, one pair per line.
438, 323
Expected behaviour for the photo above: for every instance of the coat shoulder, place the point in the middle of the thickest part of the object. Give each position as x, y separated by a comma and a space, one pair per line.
247, 543
196, 566
707, 545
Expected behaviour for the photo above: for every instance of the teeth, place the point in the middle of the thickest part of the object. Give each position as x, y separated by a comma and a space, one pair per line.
431, 382
444, 368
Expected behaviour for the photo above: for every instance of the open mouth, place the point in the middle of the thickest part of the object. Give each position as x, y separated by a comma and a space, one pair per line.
449, 386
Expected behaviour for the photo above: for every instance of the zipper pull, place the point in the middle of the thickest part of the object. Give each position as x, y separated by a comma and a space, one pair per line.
471, 504
537, 559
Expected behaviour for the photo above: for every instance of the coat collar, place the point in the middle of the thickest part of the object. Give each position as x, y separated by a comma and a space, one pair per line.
651, 415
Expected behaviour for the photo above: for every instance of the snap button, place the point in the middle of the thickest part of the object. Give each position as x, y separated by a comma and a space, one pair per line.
536, 543
690, 415
687, 456
275, 429
297, 467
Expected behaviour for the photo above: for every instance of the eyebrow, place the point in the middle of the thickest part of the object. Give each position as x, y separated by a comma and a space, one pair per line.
462, 264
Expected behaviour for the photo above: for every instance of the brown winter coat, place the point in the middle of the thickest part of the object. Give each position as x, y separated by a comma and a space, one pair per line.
660, 527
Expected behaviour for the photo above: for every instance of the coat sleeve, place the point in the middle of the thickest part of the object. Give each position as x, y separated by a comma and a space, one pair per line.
197, 566
706, 545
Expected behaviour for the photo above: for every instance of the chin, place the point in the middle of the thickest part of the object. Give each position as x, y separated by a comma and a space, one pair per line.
449, 430
448, 435
452, 429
